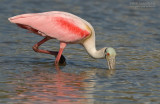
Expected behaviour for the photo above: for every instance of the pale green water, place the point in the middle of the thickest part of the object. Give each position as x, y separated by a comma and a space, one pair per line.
133, 30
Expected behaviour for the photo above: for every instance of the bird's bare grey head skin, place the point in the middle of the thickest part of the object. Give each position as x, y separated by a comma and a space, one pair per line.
110, 55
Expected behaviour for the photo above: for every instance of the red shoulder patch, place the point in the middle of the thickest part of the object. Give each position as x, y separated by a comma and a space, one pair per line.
65, 24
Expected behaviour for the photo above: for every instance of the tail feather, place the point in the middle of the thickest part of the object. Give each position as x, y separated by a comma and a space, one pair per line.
15, 19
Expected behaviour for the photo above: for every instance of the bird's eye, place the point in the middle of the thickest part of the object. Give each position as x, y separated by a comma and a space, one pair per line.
108, 54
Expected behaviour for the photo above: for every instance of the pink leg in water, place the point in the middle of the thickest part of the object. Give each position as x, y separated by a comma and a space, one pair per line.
62, 46
60, 60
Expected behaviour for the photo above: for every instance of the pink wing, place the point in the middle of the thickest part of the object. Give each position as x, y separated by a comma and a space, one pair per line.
60, 25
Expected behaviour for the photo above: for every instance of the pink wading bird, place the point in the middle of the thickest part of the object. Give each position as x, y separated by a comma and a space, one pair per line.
68, 29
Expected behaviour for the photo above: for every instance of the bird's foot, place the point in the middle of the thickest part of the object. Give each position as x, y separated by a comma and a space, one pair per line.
62, 61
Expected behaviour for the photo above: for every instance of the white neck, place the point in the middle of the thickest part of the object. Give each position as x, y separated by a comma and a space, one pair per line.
90, 46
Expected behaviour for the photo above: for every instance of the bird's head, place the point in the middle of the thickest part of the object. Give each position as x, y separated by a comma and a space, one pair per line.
110, 55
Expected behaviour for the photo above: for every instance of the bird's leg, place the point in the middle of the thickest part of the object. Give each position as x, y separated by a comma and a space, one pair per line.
36, 46
36, 49
59, 56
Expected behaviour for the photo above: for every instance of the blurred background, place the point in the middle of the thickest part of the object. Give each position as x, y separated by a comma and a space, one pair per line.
132, 27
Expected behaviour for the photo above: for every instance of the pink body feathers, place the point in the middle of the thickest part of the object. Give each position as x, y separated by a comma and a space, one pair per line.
60, 25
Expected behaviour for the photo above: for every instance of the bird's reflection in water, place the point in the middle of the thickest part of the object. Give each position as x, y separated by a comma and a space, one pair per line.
59, 87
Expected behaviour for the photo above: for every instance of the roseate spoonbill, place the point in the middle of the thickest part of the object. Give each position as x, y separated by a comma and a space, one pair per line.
68, 29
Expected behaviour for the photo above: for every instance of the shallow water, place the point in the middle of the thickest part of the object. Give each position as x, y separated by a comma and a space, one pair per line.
131, 27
